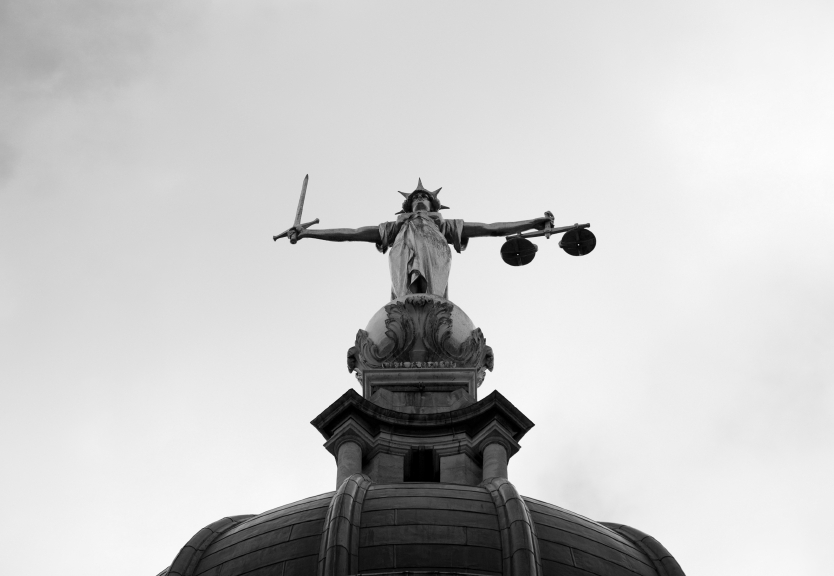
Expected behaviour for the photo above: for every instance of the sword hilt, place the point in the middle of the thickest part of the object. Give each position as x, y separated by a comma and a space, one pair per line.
287, 231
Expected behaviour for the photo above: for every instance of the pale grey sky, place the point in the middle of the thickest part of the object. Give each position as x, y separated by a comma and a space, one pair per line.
161, 357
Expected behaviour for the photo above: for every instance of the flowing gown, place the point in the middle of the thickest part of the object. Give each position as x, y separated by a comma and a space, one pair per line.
419, 248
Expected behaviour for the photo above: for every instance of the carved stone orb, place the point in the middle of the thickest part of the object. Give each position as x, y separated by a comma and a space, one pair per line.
420, 353
461, 325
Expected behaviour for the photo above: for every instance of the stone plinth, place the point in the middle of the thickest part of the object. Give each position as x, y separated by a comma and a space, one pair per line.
421, 391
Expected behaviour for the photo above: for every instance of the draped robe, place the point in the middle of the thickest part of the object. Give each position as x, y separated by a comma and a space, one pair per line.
419, 247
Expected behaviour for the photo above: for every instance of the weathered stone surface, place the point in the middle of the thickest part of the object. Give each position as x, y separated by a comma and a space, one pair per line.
554, 552
520, 547
459, 469
422, 502
385, 468
270, 541
421, 400
339, 549
194, 552
663, 561
594, 549
432, 527
431, 490
429, 527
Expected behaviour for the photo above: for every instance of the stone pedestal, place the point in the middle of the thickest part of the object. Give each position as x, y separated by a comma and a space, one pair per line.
421, 390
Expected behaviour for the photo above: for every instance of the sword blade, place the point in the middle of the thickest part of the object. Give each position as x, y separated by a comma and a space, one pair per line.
301, 201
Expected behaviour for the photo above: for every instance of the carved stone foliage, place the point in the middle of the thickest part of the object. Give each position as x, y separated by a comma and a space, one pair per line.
418, 334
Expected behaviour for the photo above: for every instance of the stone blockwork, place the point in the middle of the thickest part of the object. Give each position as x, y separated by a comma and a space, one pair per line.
460, 469
385, 468
281, 541
185, 564
663, 561
571, 544
421, 400
428, 527
433, 527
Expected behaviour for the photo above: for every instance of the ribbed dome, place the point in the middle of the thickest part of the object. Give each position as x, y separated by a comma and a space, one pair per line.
420, 527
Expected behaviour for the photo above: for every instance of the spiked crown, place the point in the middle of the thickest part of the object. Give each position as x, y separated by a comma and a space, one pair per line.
435, 202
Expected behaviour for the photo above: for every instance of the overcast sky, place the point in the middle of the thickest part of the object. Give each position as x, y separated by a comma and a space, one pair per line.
161, 358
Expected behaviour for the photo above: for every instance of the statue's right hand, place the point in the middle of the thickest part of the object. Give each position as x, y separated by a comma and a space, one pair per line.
297, 233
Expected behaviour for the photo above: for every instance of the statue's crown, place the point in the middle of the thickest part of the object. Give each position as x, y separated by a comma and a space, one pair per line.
435, 202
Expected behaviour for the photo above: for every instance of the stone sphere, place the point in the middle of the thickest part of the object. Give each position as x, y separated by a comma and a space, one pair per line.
420, 333
462, 326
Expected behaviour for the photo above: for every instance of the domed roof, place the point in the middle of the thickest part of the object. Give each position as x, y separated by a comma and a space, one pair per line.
436, 527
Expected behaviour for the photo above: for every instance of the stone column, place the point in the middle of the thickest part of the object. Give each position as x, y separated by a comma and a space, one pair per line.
349, 461
495, 461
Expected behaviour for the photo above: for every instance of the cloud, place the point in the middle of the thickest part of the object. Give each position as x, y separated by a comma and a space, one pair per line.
52, 48
52, 51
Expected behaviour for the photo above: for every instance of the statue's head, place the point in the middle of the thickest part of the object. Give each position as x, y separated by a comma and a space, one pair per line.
421, 199
422, 202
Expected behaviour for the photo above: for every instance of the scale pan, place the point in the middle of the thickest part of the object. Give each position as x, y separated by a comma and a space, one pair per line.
578, 242
518, 251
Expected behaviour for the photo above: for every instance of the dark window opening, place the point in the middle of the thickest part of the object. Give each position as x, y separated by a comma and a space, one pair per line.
421, 465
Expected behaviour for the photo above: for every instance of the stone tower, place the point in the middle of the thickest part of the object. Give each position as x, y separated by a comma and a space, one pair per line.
421, 477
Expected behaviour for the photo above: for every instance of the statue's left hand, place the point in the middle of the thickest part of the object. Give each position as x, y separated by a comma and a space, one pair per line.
540, 223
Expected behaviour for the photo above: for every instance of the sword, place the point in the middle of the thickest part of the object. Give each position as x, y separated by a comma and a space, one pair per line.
297, 224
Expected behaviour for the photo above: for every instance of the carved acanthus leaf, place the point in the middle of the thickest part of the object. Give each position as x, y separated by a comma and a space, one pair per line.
427, 321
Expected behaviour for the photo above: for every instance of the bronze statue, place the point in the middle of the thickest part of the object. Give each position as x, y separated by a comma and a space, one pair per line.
417, 241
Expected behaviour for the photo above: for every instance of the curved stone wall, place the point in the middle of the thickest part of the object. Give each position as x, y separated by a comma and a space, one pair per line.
379, 529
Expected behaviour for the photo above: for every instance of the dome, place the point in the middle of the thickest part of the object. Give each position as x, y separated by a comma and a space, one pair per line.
442, 528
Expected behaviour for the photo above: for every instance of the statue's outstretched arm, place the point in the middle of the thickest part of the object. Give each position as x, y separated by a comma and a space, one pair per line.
475, 229
364, 234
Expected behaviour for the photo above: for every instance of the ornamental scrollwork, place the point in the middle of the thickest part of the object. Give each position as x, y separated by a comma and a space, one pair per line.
425, 321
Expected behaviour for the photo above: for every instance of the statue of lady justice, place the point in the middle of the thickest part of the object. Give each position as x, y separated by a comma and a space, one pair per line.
418, 241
